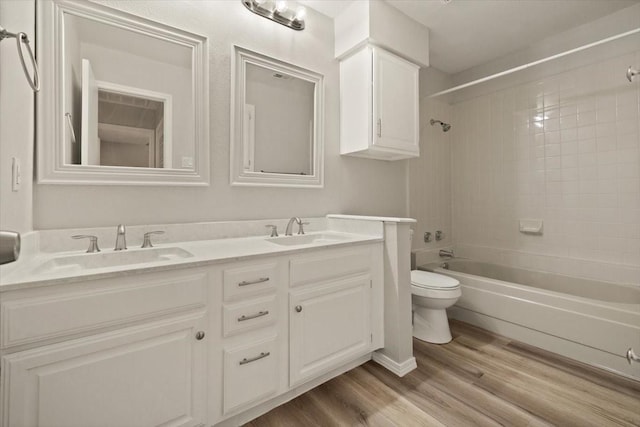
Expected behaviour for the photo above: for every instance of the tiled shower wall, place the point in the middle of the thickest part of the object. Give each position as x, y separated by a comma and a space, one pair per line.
564, 149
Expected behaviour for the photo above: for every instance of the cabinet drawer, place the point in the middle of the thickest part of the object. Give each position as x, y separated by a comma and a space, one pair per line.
249, 280
329, 265
245, 316
250, 373
28, 320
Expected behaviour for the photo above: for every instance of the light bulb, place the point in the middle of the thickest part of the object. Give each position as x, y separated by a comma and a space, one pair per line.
301, 12
281, 6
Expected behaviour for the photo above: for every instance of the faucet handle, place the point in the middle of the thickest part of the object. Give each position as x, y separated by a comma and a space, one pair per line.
301, 228
93, 242
274, 230
147, 238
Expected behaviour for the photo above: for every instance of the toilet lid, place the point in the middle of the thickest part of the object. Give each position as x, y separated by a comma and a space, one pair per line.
427, 279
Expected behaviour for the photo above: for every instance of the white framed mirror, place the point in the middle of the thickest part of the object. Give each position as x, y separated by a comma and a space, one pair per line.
124, 100
276, 123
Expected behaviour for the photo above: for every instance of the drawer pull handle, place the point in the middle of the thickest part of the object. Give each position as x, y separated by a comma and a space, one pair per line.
200, 335
253, 359
253, 316
298, 308
253, 282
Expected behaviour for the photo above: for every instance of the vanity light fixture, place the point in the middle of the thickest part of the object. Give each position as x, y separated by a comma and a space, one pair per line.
278, 11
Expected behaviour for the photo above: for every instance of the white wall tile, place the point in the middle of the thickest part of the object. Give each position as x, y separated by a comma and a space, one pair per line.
578, 170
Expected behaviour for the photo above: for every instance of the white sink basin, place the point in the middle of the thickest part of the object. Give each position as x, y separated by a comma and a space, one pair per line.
86, 261
307, 239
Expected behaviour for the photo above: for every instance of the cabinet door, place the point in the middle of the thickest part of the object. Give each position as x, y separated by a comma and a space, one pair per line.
329, 324
395, 109
144, 376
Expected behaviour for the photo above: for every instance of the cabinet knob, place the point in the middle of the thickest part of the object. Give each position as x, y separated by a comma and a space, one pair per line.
199, 335
298, 308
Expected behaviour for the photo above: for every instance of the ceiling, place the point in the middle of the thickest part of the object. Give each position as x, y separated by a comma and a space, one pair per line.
466, 33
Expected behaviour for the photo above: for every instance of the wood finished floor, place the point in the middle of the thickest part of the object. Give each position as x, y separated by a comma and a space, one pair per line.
479, 379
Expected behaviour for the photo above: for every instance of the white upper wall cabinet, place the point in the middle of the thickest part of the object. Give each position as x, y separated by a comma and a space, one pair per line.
379, 113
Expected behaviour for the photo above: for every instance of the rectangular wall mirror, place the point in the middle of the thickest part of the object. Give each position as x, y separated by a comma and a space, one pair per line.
276, 122
124, 99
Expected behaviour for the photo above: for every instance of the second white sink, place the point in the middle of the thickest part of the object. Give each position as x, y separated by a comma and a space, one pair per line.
307, 239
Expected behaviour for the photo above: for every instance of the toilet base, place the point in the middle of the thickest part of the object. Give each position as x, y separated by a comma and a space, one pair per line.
431, 325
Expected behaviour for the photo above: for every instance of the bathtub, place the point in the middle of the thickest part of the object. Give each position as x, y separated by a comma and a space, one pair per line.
589, 321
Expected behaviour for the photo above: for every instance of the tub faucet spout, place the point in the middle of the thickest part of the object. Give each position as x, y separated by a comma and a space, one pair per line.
446, 253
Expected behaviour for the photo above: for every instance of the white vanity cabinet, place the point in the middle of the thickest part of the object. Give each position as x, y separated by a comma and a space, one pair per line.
308, 316
379, 110
207, 345
118, 352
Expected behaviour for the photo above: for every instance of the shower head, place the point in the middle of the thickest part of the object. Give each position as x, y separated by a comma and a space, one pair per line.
445, 126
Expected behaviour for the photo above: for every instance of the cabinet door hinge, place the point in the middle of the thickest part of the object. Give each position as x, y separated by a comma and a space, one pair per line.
371, 284
379, 128
371, 337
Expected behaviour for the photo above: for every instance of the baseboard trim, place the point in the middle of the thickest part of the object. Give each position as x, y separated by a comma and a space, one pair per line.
399, 368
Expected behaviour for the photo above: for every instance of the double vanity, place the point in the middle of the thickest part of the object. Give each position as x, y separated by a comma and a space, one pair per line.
194, 332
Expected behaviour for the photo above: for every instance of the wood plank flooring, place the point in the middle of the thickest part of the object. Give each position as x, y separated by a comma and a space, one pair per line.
479, 379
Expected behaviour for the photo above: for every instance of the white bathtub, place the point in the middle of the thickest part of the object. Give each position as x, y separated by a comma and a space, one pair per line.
592, 322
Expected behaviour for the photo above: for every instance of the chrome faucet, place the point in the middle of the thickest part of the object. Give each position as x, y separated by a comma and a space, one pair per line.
121, 240
446, 253
288, 231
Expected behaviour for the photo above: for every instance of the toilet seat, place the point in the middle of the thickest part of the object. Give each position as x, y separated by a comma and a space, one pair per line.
433, 281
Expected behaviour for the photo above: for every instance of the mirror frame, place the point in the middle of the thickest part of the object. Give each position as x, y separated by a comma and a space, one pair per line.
51, 121
240, 177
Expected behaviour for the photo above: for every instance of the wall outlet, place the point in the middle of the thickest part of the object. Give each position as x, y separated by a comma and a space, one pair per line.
187, 162
16, 178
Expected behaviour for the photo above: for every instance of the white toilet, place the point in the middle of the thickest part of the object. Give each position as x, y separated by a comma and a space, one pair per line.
431, 295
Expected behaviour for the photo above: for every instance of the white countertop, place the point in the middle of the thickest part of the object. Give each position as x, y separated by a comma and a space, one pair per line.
24, 274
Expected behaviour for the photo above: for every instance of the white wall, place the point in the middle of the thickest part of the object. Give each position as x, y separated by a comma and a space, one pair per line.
564, 149
352, 185
610, 25
16, 119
